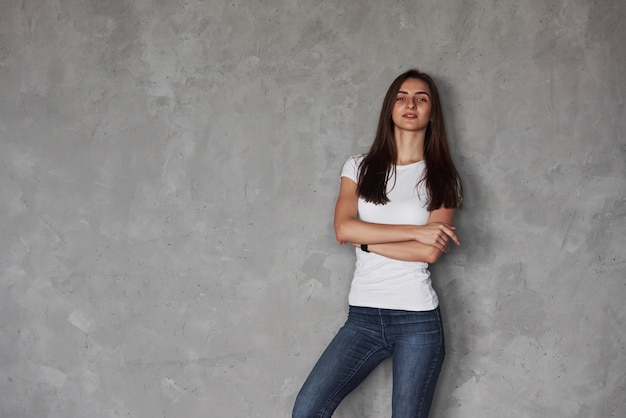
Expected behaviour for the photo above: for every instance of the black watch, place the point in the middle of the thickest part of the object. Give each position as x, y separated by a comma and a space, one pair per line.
364, 248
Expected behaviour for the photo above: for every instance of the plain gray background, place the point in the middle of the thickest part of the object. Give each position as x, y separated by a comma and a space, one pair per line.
168, 171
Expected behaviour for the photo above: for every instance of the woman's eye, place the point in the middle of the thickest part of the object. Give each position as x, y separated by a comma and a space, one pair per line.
399, 99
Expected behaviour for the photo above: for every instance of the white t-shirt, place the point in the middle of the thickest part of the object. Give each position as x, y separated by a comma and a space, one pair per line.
382, 282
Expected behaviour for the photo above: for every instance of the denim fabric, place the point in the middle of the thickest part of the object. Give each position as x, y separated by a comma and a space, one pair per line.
413, 339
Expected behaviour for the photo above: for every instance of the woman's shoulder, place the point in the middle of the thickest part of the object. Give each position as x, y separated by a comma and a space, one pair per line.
356, 159
351, 166
354, 162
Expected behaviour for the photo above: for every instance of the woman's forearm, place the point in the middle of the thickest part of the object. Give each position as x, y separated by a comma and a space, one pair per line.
354, 230
408, 251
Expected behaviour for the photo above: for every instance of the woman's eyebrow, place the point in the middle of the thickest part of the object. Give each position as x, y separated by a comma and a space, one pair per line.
417, 92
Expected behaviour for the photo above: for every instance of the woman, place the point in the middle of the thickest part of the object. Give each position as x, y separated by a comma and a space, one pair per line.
396, 206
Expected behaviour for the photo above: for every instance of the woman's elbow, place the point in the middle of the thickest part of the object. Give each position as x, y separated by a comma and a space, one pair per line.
340, 232
433, 255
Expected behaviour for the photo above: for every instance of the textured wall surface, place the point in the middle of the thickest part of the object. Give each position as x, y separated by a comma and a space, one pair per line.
168, 172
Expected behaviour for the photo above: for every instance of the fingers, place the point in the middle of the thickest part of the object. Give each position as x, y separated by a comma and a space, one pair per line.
450, 233
445, 247
448, 230
346, 242
440, 236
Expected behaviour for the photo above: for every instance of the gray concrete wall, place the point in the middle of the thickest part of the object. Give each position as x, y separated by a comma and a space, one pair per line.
168, 172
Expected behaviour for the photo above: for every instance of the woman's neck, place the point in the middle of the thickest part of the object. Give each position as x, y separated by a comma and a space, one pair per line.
410, 147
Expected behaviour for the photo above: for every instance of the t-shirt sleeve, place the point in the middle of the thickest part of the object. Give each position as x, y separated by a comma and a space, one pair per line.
351, 168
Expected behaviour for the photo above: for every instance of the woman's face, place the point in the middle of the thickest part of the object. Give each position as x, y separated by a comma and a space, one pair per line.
411, 110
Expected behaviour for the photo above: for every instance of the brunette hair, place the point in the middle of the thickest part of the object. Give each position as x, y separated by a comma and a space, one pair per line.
443, 183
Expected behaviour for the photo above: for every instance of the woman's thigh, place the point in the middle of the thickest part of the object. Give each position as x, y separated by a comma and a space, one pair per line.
418, 353
347, 361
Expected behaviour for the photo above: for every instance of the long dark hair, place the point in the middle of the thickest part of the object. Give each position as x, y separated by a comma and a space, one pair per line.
443, 183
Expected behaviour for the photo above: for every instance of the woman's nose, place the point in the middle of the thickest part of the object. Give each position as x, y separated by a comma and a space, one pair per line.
411, 103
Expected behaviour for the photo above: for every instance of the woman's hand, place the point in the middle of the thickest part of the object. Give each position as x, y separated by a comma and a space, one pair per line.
438, 234
439, 230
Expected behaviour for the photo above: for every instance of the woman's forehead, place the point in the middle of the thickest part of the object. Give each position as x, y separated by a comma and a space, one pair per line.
414, 86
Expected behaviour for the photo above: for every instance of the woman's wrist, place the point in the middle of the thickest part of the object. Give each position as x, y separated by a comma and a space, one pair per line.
416, 232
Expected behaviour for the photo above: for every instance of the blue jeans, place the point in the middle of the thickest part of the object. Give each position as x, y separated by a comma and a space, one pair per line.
413, 339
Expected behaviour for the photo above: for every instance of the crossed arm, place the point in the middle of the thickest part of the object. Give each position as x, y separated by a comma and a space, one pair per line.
402, 242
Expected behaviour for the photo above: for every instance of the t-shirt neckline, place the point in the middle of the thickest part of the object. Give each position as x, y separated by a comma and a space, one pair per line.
409, 165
